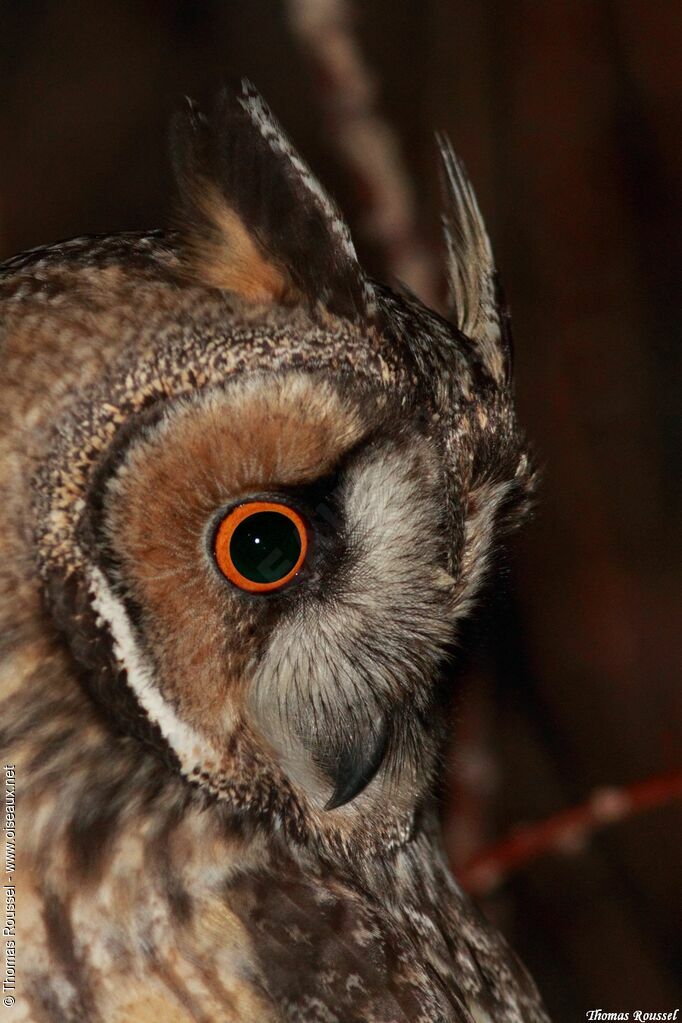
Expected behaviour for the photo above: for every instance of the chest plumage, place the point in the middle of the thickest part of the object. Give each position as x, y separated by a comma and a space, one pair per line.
248, 493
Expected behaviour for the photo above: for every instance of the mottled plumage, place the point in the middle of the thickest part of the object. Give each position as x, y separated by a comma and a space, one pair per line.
225, 799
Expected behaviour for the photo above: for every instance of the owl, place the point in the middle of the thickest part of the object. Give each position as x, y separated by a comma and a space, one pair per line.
247, 495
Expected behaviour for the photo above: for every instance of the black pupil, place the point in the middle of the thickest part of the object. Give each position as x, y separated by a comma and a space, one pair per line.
265, 547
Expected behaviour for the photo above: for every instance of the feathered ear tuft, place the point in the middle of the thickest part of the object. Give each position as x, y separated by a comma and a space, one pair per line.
255, 220
477, 305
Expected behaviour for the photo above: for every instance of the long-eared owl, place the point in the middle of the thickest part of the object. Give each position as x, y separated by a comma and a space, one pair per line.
247, 494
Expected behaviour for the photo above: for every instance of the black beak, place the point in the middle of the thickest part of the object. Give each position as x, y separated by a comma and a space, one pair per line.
358, 762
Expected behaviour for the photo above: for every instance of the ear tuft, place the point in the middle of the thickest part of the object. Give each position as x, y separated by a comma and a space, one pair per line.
478, 309
255, 220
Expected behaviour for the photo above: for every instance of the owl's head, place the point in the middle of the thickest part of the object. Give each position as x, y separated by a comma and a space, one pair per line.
260, 524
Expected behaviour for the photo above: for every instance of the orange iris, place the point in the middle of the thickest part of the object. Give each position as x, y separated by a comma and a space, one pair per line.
261, 545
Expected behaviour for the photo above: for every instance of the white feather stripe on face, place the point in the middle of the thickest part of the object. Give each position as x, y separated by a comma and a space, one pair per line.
191, 749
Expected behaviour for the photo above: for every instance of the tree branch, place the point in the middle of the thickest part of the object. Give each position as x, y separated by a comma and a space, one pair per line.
365, 141
567, 831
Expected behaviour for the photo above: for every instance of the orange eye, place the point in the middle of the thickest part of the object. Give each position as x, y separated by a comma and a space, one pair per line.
261, 545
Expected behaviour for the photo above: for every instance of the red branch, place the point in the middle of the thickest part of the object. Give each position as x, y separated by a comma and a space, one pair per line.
566, 831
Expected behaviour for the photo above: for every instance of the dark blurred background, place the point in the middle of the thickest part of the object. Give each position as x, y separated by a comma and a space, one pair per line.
567, 113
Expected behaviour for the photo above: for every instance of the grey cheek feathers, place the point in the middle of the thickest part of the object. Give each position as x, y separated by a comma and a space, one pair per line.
334, 676
484, 503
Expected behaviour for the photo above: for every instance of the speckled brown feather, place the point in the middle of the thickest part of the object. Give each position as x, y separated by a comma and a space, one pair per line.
175, 744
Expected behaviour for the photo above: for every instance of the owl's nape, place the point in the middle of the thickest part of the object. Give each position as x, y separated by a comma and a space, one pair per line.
248, 494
